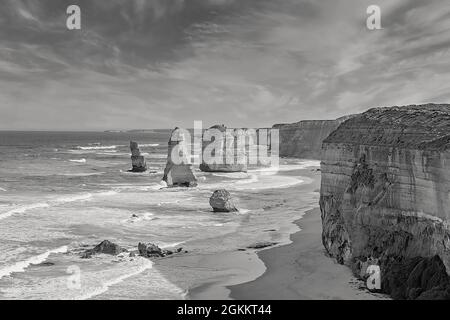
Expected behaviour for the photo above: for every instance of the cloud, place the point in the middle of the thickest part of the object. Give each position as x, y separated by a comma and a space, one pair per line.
144, 64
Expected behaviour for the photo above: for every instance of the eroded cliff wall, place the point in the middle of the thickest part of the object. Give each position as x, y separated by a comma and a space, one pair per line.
385, 195
304, 139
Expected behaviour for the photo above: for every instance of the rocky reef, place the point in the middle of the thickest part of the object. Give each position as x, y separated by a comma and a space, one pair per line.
304, 139
178, 171
385, 196
137, 160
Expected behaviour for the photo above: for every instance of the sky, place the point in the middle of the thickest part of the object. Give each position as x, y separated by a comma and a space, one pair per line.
138, 64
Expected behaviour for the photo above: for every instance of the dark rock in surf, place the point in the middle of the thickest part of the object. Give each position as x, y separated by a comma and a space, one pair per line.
105, 247
221, 201
137, 160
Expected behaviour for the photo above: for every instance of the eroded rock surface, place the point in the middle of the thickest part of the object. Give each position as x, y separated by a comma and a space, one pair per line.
385, 195
178, 171
137, 160
221, 201
304, 139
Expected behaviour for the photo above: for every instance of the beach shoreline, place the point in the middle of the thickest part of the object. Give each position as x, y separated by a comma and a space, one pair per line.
301, 270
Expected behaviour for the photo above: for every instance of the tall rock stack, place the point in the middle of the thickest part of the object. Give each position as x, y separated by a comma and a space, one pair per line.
385, 196
223, 147
178, 171
137, 160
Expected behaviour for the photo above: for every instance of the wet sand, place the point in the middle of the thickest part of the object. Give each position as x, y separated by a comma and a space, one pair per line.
301, 270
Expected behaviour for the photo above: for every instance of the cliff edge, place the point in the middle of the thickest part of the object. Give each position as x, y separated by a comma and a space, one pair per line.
304, 139
385, 197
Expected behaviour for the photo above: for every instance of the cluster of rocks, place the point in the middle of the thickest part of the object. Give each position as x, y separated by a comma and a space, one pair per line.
146, 250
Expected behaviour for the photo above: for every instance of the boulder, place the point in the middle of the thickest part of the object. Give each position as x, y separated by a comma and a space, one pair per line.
178, 171
221, 201
105, 247
137, 160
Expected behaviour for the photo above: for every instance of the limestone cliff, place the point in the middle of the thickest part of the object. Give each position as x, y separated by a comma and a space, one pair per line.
385, 195
304, 139
220, 143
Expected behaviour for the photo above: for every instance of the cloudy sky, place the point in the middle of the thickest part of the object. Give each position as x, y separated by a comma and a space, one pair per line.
248, 63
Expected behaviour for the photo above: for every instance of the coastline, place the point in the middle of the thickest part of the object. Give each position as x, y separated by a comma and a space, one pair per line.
302, 271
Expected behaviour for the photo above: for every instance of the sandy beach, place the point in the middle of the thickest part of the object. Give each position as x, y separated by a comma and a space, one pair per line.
301, 270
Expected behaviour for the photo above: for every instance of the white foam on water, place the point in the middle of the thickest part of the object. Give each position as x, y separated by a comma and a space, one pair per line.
22, 265
82, 174
3, 189
144, 265
55, 201
149, 145
78, 160
23, 209
232, 175
100, 147
164, 245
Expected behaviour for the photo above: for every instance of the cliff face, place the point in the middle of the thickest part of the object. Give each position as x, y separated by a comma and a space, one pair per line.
304, 139
385, 195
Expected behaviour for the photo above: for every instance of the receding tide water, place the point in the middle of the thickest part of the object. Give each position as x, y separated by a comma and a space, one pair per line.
61, 192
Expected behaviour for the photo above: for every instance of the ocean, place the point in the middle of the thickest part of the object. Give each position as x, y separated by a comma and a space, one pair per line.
63, 192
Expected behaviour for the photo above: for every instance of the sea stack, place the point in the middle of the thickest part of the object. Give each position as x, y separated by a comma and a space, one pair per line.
137, 160
221, 144
385, 196
178, 171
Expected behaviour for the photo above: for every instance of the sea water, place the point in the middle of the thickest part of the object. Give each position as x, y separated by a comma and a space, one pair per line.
63, 192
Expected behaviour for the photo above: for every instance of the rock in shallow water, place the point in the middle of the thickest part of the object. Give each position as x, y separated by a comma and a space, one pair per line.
105, 247
137, 160
221, 201
178, 171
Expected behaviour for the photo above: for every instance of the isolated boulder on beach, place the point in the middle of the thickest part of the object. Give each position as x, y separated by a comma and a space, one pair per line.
221, 201
178, 171
137, 160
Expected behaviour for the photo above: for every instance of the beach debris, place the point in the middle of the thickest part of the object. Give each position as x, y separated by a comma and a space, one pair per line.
137, 160
178, 171
262, 244
105, 247
221, 201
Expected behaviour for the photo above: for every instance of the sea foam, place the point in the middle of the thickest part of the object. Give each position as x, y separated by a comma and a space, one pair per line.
22, 265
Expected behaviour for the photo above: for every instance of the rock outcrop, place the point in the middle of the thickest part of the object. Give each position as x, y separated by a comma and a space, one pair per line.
304, 139
221, 201
105, 247
385, 195
178, 171
150, 250
220, 144
137, 160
